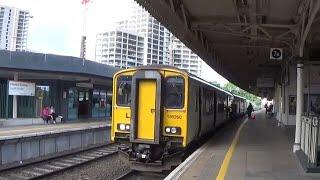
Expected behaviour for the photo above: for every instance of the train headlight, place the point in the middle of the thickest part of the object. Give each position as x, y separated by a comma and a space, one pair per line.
173, 130
123, 127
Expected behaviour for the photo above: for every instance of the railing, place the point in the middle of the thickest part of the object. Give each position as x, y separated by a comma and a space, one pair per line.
310, 144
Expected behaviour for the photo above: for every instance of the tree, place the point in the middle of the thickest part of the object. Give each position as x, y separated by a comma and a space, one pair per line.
240, 92
215, 83
231, 88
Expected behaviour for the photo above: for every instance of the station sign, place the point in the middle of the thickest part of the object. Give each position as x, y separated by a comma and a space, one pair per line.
19, 88
276, 53
265, 82
84, 85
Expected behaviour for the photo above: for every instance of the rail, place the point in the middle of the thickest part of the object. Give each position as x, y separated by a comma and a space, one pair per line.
310, 141
45, 169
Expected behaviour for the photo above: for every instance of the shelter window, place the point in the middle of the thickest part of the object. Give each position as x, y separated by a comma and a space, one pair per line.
124, 90
174, 92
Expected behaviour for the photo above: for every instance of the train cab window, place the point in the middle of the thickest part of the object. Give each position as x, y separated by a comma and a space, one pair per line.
196, 101
124, 90
174, 92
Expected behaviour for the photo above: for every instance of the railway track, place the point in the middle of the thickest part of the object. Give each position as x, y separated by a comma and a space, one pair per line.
52, 166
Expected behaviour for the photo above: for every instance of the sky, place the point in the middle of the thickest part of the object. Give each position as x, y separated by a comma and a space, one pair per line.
57, 26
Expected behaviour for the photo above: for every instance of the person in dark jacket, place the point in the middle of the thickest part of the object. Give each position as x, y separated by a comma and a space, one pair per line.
249, 110
266, 107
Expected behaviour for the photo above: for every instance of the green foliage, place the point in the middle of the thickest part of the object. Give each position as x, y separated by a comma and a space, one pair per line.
240, 92
215, 83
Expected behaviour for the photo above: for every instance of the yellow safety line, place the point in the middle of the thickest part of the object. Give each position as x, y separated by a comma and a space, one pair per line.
225, 164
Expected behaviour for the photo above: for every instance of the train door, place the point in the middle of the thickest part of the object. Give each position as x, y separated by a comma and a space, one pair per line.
145, 120
215, 109
146, 108
200, 109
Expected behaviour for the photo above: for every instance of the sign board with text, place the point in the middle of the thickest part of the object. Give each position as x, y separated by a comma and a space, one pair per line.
265, 82
84, 85
18, 88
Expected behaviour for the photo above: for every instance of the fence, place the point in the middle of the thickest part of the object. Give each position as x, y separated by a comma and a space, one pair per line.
310, 141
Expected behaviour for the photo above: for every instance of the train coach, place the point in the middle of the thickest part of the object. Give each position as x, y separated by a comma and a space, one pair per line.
238, 107
160, 110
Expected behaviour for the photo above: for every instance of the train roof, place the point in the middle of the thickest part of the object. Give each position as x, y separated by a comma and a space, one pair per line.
209, 84
153, 67
239, 96
157, 66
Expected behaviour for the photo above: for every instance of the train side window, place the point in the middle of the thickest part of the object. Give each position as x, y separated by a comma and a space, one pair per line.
209, 101
124, 90
220, 104
196, 100
174, 92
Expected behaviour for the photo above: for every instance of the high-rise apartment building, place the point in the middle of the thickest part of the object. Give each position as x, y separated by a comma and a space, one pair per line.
159, 45
186, 59
156, 35
120, 48
13, 28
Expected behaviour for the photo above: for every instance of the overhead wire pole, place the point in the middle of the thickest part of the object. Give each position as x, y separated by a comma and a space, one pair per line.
84, 25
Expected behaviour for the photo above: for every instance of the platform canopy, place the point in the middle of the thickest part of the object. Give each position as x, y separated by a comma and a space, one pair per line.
235, 37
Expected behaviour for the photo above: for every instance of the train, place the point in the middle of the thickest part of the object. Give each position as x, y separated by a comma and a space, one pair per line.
159, 111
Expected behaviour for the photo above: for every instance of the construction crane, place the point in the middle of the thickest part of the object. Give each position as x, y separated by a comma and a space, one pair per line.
84, 37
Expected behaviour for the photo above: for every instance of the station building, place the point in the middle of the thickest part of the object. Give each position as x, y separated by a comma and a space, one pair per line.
77, 88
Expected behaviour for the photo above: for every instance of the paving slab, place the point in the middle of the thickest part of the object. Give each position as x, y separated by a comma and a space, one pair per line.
263, 152
17, 131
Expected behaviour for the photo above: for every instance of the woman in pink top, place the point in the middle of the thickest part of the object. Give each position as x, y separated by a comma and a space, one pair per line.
46, 114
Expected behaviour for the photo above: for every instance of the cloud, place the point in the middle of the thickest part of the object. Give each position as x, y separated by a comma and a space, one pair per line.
102, 15
210, 75
57, 25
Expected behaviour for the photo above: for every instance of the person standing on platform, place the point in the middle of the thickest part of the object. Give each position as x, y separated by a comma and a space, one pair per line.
266, 107
53, 114
249, 110
270, 109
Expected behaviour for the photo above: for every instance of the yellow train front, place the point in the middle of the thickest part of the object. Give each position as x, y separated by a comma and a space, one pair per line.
160, 110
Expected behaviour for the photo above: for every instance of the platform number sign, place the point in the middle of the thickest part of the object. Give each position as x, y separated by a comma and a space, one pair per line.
276, 53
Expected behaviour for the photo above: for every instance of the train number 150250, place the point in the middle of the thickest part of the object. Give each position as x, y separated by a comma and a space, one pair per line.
173, 116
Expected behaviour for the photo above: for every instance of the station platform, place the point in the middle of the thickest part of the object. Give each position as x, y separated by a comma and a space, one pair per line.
249, 149
21, 145
31, 130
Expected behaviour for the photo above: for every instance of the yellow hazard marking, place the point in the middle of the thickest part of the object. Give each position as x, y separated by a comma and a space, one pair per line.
225, 164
